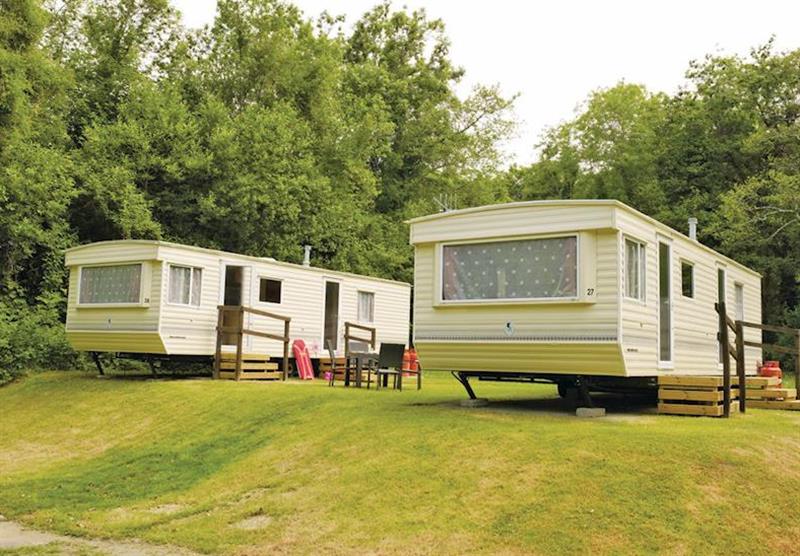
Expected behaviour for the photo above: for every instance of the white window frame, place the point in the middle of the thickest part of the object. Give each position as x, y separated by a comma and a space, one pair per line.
694, 286
142, 302
170, 266
258, 290
440, 300
358, 306
642, 249
738, 289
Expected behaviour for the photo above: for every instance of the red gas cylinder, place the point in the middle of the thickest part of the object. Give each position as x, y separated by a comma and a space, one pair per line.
771, 368
410, 361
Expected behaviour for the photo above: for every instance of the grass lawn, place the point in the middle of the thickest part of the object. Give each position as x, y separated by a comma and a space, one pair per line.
302, 468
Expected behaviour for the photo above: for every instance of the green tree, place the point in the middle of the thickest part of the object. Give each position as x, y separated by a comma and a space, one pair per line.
35, 171
610, 150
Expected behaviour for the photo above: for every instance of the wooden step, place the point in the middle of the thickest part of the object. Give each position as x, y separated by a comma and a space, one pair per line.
791, 405
691, 381
250, 365
772, 393
695, 409
231, 356
695, 394
252, 375
762, 381
715, 381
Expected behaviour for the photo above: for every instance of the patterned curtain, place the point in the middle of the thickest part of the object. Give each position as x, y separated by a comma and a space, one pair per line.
520, 269
111, 284
197, 285
180, 283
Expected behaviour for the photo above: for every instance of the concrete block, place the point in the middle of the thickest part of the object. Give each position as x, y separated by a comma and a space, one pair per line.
590, 412
477, 402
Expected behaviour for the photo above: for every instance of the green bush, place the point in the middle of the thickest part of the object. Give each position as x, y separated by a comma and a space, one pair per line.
32, 339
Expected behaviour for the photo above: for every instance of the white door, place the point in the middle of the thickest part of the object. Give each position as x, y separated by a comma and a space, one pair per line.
664, 304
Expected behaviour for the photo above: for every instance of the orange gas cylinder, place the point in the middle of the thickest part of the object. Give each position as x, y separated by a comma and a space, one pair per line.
410, 361
771, 368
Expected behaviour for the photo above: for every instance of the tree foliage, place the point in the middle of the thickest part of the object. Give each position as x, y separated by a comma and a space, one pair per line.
267, 130
726, 149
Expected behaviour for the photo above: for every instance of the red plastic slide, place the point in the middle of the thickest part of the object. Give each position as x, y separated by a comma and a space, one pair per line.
302, 360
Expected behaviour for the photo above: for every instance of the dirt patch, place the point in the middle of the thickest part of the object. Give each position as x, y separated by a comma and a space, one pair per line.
14, 536
166, 509
253, 523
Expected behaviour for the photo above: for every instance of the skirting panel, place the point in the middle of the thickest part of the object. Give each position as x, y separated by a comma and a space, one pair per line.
567, 358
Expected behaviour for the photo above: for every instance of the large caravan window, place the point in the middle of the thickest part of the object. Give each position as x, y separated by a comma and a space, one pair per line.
511, 270
269, 290
111, 284
185, 284
634, 269
366, 307
687, 279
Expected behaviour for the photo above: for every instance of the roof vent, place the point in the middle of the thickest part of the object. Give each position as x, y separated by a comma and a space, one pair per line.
306, 255
693, 228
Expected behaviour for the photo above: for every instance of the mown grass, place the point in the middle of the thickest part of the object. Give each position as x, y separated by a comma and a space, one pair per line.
354, 471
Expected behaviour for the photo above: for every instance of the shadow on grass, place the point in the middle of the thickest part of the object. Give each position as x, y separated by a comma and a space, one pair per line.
124, 476
612, 403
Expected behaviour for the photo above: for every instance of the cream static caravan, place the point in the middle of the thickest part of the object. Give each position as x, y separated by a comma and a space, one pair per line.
579, 287
155, 297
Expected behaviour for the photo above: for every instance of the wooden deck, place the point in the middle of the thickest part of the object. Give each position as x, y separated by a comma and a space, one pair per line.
255, 366
695, 395
703, 395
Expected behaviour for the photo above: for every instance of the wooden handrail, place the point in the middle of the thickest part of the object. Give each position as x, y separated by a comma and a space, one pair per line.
773, 347
360, 326
254, 311
241, 331
769, 327
372, 341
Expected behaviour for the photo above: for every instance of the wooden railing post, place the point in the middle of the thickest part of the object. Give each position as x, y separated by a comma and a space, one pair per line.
239, 342
726, 359
218, 350
797, 360
740, 366
286, 348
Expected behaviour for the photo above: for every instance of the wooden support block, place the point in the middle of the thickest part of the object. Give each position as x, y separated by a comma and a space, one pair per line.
695, 394
695, 409
772, 393
790, 405
252, 375
250, 365
231, 356
696, 381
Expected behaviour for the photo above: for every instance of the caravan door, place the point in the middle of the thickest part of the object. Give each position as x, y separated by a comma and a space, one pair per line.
232, 294
331, 317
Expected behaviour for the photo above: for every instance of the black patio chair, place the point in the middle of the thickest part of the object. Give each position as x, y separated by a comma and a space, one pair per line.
390, 364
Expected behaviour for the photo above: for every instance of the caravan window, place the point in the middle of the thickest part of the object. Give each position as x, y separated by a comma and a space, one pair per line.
511, 270
739, 292
634, 269
185, 284
111, 284
269, 290
366, 307
687, 279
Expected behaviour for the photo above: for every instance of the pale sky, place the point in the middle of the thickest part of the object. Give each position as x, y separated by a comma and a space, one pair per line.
554, 53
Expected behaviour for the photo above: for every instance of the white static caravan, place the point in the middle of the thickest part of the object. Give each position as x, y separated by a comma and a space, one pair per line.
578, 287
160, 298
